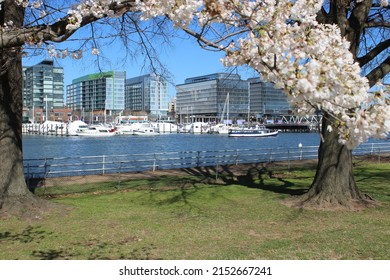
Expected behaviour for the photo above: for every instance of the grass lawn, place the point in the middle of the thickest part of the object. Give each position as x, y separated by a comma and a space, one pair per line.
193, 217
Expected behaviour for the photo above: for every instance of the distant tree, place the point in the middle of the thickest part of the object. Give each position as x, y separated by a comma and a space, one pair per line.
310, 49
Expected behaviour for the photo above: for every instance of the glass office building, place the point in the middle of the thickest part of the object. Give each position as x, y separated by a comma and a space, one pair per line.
147, 93
43, 86
266, 99
98, 92
205, 98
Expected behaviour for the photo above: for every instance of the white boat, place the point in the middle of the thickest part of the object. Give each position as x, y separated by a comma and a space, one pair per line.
220, 128
97, 131
146, 132
252, 132
129, 128
125, 129
75, 127
224, 126
197, 127
185, 128
165, 127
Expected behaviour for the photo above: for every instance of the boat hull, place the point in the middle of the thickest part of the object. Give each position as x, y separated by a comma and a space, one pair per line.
251, 133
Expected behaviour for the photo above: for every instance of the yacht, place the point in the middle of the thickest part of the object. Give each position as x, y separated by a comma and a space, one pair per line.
145, 130
75, 127
220, 128
165, 127
97, 131
252, 132
129, 128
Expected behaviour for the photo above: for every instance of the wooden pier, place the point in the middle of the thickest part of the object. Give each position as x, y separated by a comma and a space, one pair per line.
292, 127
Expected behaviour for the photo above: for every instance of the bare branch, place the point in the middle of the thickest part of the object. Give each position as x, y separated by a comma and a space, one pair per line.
375, 24
379, 72
373, 53
56, 32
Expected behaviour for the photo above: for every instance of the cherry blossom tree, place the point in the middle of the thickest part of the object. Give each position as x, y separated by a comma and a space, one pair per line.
325, 55
315, 51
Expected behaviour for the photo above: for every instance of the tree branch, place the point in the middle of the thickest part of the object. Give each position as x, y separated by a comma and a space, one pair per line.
357, 19
373, 53
55, 32
201, 39
379, 72
375, 24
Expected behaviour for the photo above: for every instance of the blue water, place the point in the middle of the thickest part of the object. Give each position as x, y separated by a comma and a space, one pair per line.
40, 146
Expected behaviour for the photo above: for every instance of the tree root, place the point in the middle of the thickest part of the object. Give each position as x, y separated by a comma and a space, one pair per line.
329, 203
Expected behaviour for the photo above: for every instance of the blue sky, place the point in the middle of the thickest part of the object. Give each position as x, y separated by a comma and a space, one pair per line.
184, 59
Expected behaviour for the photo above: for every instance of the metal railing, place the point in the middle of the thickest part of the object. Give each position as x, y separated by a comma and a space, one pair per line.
111, 164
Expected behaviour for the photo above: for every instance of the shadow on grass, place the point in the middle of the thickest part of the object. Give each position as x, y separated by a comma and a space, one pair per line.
51, 254
180, 190
32, 235
97, 250
374, 182
256, 176
28, 235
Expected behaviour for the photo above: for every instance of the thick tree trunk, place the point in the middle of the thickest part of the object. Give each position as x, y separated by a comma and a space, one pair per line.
15, 198
334, 185
13, 189
11, 158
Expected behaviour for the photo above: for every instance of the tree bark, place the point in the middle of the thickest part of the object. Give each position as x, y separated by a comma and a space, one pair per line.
334, 185
12, 183
15, 198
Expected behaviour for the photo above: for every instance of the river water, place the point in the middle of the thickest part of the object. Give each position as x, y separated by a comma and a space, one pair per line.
43, 146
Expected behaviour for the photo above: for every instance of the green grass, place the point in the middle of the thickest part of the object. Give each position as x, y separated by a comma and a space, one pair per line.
192, 218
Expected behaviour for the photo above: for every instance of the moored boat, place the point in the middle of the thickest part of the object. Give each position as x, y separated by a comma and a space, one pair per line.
145, 129
165, 127
75, 127
97, 130
252, 132
221, 128
196, 127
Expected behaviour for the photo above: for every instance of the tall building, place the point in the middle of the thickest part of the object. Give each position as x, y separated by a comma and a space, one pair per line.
172, 107
212, 98
266, 99
98, 95
147, 93
43, 88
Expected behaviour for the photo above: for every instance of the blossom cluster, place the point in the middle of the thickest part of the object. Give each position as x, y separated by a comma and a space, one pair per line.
96, 8
180, 12
54, 52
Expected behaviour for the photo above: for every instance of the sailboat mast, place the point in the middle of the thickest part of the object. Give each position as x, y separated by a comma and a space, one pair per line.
249, 103
228, 105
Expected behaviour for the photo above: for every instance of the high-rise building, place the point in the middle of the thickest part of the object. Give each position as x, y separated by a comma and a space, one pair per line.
212, 98
266, 99
147, 93
43, 88
97, 95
